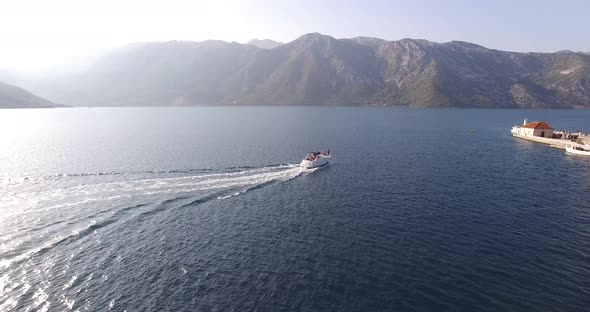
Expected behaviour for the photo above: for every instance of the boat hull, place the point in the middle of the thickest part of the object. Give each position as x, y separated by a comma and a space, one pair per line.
309, 164
571, 150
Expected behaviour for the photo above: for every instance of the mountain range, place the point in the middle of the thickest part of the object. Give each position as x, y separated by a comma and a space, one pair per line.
265, 43
15, 97
316, 69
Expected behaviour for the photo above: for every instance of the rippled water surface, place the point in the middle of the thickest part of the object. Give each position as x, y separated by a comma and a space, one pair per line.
201, 209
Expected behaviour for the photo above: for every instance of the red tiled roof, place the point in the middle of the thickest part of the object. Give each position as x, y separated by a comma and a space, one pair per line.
538, 125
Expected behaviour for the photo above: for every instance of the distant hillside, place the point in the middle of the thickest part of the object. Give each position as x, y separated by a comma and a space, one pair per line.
320, 70
15, 97
265, 43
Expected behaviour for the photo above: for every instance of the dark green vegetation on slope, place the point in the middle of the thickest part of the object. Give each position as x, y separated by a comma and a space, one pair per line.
319, 70
15, 97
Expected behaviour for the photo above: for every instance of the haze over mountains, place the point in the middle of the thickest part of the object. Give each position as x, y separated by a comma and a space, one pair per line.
265, 43
317, 69
15, 97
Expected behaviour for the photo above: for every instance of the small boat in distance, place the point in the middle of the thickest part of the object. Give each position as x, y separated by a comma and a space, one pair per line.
315, 159
577, 149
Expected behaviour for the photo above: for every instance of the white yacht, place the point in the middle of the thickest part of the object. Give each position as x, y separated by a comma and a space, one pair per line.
577, 149
315, 159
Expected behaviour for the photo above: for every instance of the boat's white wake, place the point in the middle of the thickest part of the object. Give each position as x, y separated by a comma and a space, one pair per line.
63, 213
235, 182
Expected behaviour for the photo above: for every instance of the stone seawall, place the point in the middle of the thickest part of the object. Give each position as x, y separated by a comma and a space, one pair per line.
560, 143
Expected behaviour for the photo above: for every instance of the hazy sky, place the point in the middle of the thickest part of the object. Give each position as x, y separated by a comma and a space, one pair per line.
41, 34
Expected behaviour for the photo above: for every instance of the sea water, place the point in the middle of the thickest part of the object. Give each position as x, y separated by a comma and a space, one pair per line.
188, 209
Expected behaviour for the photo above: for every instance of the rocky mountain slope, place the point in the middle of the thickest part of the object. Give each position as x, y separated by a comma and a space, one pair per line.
320, 70
265, 43
15, 97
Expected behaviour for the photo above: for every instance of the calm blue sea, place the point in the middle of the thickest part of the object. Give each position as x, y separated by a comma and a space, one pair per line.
205, 209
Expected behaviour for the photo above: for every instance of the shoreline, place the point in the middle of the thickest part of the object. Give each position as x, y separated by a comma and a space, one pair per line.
557, 143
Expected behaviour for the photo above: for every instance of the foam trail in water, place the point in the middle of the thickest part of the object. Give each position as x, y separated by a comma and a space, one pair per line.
103, 202
68, 197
